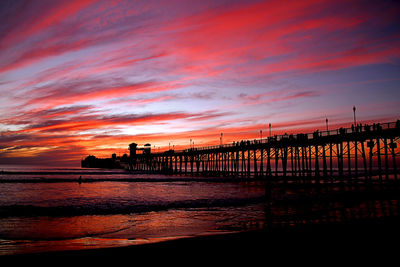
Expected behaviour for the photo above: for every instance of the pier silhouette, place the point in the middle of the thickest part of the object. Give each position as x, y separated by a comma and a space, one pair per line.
344, 176
359, 153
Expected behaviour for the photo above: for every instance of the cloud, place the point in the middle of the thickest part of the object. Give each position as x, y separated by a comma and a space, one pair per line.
52, 13
273, 38
87, 90
89, 121
277, 96
62, 156
77, 74
24, 31
62, 28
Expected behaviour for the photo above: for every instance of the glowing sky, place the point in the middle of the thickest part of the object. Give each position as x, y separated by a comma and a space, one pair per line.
90, 77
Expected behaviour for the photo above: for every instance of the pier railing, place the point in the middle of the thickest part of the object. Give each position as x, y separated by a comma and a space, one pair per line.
358, 129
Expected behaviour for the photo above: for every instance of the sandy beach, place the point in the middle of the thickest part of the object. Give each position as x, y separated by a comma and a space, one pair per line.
378, 239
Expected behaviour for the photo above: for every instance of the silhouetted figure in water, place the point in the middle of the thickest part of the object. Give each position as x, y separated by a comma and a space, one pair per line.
80, 180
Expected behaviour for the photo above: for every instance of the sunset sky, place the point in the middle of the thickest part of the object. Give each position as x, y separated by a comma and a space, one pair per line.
90, 77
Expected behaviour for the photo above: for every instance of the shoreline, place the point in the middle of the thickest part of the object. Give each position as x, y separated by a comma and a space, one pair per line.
366, 237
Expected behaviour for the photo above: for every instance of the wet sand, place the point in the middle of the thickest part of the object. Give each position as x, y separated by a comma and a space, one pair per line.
362, 241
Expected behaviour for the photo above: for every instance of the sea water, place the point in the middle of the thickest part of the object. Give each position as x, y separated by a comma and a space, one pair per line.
48, 209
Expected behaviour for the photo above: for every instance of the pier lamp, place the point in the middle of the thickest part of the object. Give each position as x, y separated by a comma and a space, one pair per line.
270, 130
354, 113
327, 128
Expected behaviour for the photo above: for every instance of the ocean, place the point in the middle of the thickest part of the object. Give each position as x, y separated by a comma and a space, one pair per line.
52, 209
46, 209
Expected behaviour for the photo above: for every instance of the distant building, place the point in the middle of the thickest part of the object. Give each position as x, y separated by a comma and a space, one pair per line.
107, 163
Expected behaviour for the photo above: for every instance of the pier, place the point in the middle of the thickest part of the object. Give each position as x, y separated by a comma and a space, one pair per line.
347, 175
359, 153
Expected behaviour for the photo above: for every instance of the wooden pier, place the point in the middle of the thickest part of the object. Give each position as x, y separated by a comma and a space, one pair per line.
359, 153
347, 175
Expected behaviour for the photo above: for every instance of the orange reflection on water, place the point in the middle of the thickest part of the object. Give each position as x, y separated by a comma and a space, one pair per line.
40, 234
65, 216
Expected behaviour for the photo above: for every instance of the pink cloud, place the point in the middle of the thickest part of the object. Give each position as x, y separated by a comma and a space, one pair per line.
88, 91
273, 38
51, 16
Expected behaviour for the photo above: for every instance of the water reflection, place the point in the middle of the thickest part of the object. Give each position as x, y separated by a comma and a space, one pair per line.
119, 193
334, 205
38, 216
81, 232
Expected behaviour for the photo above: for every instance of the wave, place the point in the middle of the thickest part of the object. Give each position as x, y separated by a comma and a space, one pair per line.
126, 179
115, 209
64, 172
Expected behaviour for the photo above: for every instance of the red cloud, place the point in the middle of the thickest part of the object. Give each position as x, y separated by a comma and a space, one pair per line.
96, 122
275, 37
50, 16
82, 122
52, 96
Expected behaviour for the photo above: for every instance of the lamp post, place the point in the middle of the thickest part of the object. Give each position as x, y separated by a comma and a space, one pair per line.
326, 121
220, 140
354, 113
270, 130
261, 134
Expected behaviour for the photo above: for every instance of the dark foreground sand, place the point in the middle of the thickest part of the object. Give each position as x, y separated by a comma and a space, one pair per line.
322, 244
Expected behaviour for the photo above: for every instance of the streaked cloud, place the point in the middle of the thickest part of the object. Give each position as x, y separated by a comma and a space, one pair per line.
79, 77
